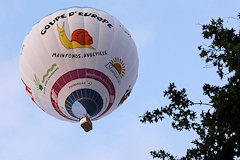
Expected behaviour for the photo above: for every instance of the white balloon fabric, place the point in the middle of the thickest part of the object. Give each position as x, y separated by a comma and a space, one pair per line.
78, 62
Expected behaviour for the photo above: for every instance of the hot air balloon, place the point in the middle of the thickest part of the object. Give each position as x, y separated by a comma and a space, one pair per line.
78, 64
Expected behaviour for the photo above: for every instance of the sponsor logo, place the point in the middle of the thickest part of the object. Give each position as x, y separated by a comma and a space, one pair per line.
75, 13
80, 55
117, 67
125, 96
80, 39
39, 84
86, 83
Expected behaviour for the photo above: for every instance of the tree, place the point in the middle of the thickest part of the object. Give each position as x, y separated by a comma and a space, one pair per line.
219, 127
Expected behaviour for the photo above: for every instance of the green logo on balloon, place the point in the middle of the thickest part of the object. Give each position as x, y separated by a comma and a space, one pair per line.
37, 81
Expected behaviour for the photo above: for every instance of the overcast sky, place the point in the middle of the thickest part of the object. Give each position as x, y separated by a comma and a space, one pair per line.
166, 34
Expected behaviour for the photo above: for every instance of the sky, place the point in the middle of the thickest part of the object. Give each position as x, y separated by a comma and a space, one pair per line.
166, 33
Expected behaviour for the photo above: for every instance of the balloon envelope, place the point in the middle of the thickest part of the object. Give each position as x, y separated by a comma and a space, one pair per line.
78, 62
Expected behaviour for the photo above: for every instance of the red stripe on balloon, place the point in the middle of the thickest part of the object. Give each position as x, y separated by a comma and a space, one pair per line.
77, 74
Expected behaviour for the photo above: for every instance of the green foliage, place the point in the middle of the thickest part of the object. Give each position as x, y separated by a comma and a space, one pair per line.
219, 127
162, 154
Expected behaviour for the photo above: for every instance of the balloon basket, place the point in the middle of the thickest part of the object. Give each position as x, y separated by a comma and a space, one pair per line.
86, 124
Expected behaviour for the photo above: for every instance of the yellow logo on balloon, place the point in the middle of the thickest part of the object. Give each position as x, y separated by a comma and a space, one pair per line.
119, 65
80, 39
